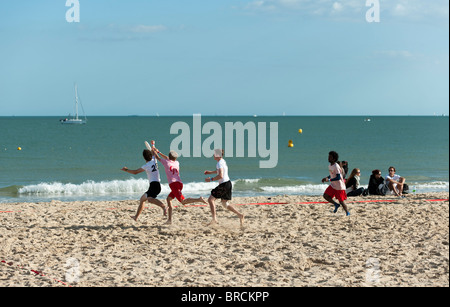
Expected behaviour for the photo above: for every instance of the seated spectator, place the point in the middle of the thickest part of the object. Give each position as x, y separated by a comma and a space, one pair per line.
352, 183
395, 182
376, 183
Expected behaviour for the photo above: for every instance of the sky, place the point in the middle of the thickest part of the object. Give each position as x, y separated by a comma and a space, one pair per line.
225, 57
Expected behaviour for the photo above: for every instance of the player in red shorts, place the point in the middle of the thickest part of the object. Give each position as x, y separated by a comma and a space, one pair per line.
336, 189
172, 168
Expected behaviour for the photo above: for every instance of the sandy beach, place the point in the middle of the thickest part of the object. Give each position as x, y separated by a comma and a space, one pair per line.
287, 241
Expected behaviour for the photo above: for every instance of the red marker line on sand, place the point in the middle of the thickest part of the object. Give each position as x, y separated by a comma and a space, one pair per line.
40, 273
262, 204
366, 201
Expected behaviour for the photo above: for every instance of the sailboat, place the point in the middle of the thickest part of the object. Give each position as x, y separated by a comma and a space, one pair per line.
75, 120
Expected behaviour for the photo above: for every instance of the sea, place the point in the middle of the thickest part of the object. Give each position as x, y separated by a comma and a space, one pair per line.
42, 160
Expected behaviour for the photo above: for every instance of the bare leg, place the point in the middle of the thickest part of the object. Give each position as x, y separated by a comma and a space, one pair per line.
392, 188
188, 201
329, 199
159, 204
400, 186
344, 206
141, 207
170, 209
212, 206
234, 210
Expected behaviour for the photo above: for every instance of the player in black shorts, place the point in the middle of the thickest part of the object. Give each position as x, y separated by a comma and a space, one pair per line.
151, 168
224, 190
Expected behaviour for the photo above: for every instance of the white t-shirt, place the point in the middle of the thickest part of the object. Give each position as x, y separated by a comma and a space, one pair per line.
334, 170
222, 164
395, 178
151, 168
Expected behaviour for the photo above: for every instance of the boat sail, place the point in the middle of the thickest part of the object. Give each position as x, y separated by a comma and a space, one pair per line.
75, 120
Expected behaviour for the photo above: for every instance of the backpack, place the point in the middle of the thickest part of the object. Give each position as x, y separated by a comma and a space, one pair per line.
405, 189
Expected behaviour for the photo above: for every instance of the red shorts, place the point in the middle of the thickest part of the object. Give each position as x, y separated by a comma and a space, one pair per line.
339, 194
176, 188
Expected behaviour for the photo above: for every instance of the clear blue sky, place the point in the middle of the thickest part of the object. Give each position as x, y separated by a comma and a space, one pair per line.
225, 57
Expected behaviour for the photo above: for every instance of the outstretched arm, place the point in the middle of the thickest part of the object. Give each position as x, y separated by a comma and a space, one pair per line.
131, 171
156, 152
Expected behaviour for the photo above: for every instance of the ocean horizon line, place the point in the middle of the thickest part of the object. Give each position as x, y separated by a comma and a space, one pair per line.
217, 115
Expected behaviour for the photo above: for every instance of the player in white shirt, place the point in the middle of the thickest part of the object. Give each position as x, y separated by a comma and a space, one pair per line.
224, 190
151, 168
337, 186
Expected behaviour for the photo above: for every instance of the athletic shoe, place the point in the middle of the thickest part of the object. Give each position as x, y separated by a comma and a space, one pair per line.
336, 207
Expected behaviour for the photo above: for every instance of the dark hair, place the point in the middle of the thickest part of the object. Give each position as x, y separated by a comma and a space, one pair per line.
147, 155
392, 168
376, 172
345, 166
335, 155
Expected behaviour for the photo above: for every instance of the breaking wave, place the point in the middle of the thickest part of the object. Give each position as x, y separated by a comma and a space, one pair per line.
241, 187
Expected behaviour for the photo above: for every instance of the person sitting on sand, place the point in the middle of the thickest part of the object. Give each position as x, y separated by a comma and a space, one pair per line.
376, 183
151, 168
395, 182
172, 168
224, 190
352, 184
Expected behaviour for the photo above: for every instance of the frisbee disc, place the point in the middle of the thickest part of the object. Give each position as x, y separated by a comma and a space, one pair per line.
148, 146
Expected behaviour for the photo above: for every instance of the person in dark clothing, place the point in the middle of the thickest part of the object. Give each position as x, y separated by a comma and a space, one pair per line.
344, 166
376, 183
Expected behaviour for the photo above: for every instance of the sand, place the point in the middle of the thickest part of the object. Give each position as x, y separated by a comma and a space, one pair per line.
395, 242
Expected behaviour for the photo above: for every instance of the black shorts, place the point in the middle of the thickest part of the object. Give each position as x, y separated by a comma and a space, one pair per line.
154, 189
223, 191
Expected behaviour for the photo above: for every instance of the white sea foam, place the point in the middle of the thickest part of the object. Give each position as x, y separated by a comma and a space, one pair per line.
249, 180
130, 186
436, 186
138, 186
309, 189
85, 188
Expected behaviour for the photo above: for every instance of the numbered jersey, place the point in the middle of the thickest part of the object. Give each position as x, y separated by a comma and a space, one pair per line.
151, 168
172, 170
